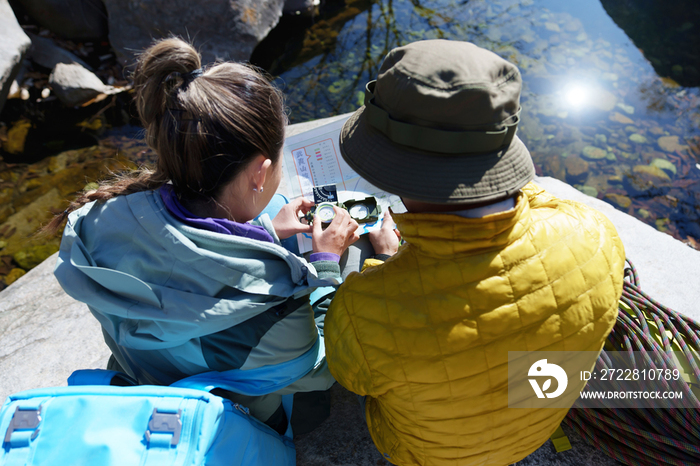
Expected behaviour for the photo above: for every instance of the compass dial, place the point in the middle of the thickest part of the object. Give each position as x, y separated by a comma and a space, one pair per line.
359, 211
325, 212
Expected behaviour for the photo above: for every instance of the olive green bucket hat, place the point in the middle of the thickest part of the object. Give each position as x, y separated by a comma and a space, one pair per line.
438, 125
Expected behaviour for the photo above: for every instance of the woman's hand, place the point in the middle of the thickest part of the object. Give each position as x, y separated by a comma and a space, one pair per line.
386, 239
287, 223
337, 236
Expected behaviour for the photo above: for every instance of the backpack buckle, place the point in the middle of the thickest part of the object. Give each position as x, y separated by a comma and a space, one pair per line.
24, 419
166, 423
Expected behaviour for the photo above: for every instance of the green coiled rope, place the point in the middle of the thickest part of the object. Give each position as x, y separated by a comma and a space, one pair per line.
648, 436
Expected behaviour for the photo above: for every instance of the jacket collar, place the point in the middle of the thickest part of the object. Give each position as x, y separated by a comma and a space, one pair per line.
446, 235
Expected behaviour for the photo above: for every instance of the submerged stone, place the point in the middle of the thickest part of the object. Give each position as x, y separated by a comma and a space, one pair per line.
618, 200
576, 169
624, 146
603, 100
35, 255
16, 137
662, 224
620, 118
573, 24
594, 153
629, 155
588, 190
650, 170
638, 138
670, 144
670, 82
664, 165
626, 108
13, 276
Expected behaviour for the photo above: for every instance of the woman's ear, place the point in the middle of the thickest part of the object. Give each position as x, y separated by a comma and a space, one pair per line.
260, 170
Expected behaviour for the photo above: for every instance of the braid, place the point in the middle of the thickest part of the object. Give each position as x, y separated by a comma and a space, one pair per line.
121, 185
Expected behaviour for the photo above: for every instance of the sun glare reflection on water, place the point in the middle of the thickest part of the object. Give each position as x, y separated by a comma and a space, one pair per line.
577, 95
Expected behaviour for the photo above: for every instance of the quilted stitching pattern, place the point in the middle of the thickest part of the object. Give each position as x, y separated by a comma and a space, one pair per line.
426, 335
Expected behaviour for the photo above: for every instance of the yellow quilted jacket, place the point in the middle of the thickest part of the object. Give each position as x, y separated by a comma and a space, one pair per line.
425, 335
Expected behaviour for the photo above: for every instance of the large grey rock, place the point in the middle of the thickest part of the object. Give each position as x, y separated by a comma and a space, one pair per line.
74, 85
46, 53
70, 19
220, 29
45, 334
14, 44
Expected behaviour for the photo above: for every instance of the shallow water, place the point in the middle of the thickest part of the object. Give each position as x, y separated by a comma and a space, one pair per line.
597, 112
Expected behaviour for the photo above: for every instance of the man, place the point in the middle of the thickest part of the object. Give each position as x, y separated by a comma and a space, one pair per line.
491, 264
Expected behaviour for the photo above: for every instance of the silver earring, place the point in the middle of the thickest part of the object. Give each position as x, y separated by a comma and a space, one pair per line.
261, 189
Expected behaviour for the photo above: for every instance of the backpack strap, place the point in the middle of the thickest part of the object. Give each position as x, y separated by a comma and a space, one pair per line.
251, 382
100, 377
261, 380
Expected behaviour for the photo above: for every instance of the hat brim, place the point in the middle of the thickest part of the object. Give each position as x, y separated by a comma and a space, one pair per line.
430, 176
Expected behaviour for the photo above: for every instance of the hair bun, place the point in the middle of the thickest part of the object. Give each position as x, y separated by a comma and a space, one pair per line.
164, 66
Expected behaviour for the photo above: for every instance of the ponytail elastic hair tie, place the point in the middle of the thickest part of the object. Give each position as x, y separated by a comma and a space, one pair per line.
191, 76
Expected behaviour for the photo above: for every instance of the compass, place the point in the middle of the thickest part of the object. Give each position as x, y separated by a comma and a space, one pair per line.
359, 211
363, 210
325, 212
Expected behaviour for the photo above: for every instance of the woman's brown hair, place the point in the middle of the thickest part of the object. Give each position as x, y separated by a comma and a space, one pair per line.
204, 126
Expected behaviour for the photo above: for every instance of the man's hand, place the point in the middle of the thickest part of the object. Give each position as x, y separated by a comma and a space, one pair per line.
386, 239
287, 223
337, 236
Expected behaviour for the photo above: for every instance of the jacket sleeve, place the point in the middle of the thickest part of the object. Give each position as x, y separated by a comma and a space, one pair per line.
327, 270
344, 352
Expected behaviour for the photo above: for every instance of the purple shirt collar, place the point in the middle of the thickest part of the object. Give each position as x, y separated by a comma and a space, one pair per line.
218, 225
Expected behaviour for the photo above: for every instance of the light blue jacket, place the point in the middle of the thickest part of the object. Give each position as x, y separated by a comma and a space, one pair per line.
174, 300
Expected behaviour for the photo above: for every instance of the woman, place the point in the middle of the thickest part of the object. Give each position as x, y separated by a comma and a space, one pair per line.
169, 261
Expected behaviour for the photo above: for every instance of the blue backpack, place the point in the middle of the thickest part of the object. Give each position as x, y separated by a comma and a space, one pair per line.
93, 423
